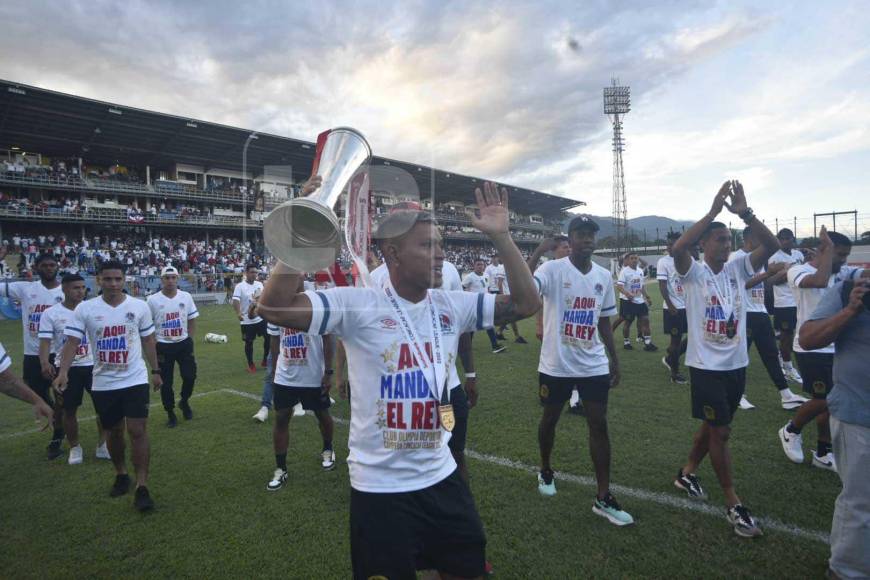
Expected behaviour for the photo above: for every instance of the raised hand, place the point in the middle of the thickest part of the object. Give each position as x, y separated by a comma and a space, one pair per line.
493, 216
825, 242
738, 199
720, 199
311, 185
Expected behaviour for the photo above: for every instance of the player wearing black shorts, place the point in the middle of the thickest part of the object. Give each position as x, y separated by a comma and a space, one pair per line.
120, 332
578, 353
245, 296
34, 298
673, 311
717, 354
784, 306
808, 283
51, 340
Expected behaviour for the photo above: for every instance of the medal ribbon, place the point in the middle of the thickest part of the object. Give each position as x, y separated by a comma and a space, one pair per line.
439, 370
726, 299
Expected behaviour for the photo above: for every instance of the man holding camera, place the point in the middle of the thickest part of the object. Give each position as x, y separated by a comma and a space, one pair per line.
843, 317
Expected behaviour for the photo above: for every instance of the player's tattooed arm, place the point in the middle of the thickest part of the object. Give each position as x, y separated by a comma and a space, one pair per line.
505, 310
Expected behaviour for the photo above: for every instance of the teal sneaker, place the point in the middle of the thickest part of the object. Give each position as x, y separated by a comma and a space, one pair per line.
546, 483
608, 508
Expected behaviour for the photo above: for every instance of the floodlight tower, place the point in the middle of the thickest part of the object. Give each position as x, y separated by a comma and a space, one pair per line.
617, 103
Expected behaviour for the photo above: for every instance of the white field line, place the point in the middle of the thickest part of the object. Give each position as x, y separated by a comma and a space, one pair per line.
663, 499
671, 501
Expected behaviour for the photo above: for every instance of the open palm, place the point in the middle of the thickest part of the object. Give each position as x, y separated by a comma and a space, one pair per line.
493, 215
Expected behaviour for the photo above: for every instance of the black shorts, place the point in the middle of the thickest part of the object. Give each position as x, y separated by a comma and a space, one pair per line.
80, 380
394, 534
250, 332
816, 370
312, 399
129, 402
675, 324
459, 400
716, 394
32, 374
557, 390
785, 318
629, 310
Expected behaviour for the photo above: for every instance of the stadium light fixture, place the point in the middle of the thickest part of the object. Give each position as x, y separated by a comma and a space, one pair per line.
115, 111
617, 99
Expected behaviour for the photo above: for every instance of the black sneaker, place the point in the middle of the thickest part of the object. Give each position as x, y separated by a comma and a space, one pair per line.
143, 501
173, 420
650, 347
54, 449
744, 525
678, 379
690, 483
186, 411
121, 485
498, 349
627, 346
500, 336
577, 409
521, 340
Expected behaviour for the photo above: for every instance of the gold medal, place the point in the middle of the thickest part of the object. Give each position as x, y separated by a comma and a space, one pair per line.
448, 420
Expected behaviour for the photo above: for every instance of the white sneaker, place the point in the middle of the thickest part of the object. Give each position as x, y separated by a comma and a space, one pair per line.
792, 444
825, 462
792, 374
75, 455
791, 401
279, 478
103, 452
261, 415
298, 411
327, 459
745, 404
544, 488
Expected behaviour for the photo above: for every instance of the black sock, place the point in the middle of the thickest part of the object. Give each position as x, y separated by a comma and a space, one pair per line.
57, 434
327, 445
823, 449
792, 429
281, 460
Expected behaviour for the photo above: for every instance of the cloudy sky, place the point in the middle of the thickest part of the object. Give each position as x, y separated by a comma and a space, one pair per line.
776, 94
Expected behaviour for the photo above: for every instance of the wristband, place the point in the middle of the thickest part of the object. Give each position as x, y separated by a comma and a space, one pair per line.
470, 375
746, 215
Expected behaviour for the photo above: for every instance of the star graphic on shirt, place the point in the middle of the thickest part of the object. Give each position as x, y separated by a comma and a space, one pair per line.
390, 352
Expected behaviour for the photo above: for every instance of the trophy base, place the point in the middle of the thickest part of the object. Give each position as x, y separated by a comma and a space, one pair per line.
303, 234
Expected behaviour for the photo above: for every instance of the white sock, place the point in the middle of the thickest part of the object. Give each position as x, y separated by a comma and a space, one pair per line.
575, 398
787, 365
647, 340
785, 394
626, 341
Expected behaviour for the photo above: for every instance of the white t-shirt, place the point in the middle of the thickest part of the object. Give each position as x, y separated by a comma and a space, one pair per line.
474, 282
245, 293
494, 274
396, 440
52, 325
573, 303
115, 335
709, 347
171, 315
665, 270
34, 299
301, 363
782, 294
754, 298
631, 279
449, 281
807, 299
5, 359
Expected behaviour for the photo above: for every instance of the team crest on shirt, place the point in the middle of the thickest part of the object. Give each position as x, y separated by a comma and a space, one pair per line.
130, 317
599, 289
387, 323
446, 325
98, 318
181, 305
566, 284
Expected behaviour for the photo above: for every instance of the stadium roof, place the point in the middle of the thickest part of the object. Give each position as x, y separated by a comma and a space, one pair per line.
61, 125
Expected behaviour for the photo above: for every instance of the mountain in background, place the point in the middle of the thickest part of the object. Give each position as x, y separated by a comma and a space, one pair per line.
638, 224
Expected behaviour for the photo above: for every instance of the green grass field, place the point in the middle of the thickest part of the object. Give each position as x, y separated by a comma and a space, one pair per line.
214, 517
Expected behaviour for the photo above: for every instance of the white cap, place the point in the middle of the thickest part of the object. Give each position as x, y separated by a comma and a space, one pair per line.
169, 271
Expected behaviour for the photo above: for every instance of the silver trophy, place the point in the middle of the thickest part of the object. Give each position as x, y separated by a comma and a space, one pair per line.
304, 232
